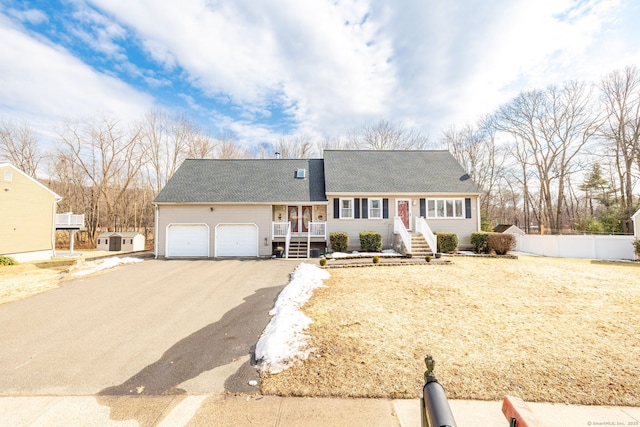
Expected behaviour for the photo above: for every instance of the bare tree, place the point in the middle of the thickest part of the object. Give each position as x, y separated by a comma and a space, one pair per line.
228, 148
110, 157
475, 148
550, 128
168, 140
385, 135
621, 98
295, 147
19, 145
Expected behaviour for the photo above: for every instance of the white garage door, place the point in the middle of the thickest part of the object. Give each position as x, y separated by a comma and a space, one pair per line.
187, 240
237, 240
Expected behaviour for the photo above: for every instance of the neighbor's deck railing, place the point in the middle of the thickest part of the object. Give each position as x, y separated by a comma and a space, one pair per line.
69, 220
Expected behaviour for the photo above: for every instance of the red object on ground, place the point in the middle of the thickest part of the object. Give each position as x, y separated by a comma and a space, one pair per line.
514, 407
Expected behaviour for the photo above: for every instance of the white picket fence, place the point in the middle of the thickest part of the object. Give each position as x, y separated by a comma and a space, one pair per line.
577, 246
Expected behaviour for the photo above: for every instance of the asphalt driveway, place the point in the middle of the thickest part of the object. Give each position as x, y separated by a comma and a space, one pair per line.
152, 328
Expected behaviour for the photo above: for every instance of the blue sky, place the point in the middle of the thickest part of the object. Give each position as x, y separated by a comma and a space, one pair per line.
259, 70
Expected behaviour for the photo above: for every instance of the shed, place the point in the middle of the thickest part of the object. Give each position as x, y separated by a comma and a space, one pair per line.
121, 241
509, 229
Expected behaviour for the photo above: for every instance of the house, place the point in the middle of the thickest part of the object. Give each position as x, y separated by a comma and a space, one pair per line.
27, 216
509, 229
220, 208
120, 241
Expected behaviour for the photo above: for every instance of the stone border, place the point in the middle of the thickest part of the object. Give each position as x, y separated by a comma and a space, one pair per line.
369, 263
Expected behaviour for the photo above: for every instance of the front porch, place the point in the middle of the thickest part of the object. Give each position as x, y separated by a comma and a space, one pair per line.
299, 230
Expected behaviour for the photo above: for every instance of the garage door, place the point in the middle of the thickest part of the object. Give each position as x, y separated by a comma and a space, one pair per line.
237, 240
188, 240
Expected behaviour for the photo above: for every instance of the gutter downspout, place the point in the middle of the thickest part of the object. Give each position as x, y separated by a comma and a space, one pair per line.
155, 232
53, 226
479, 213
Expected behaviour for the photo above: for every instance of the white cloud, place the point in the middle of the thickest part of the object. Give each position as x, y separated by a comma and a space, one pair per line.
331, 65
43, 83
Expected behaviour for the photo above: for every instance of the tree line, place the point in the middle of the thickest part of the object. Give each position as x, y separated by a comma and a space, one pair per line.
562, 159
565, 158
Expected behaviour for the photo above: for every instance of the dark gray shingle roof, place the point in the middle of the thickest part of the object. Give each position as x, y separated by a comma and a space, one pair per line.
245, 181
395, 172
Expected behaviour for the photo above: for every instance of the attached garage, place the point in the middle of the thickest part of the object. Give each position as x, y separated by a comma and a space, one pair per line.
187, 240
236, 240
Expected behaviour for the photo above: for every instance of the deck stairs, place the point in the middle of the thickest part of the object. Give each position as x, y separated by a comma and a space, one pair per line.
419, 246
297, 249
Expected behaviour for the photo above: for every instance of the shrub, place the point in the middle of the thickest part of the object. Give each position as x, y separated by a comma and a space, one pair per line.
480, 242
5, 260
447, 242
427, 258
323, 262
376, 259
370, 241
501, 243
636, 246
339, 241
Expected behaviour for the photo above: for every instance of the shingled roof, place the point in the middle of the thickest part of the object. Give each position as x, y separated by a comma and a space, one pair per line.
395, 172
245, 181
341, 172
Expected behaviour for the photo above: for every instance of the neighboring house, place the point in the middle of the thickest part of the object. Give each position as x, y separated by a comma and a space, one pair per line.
120, 241
509, 229
636, 224
27, 216
218, 208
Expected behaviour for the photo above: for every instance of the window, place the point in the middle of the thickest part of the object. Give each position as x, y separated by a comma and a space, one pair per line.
375, 208
445, 208
8, 175
346, 208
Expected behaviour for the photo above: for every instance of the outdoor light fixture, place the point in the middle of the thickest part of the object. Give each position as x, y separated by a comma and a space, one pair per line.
211, 208
266, 242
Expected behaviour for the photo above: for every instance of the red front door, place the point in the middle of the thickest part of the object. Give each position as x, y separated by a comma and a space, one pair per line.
293, 218
300, 222
403, 212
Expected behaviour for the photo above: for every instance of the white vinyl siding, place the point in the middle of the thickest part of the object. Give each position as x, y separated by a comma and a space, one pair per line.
260, 215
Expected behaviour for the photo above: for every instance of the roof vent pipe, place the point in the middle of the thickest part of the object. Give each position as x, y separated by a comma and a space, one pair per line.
277, 154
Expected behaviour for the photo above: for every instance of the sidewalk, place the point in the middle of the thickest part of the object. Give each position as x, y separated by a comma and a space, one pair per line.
256, 410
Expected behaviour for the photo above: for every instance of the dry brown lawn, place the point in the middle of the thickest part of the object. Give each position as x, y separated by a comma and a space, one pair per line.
542, 329
28, 279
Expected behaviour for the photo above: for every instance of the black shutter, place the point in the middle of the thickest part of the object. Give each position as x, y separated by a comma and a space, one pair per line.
467, 206
336, 208
385, 208
365, 208
356, 208
423, 208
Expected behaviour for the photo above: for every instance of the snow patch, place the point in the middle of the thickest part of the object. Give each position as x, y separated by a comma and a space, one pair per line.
107, 263
283, 341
